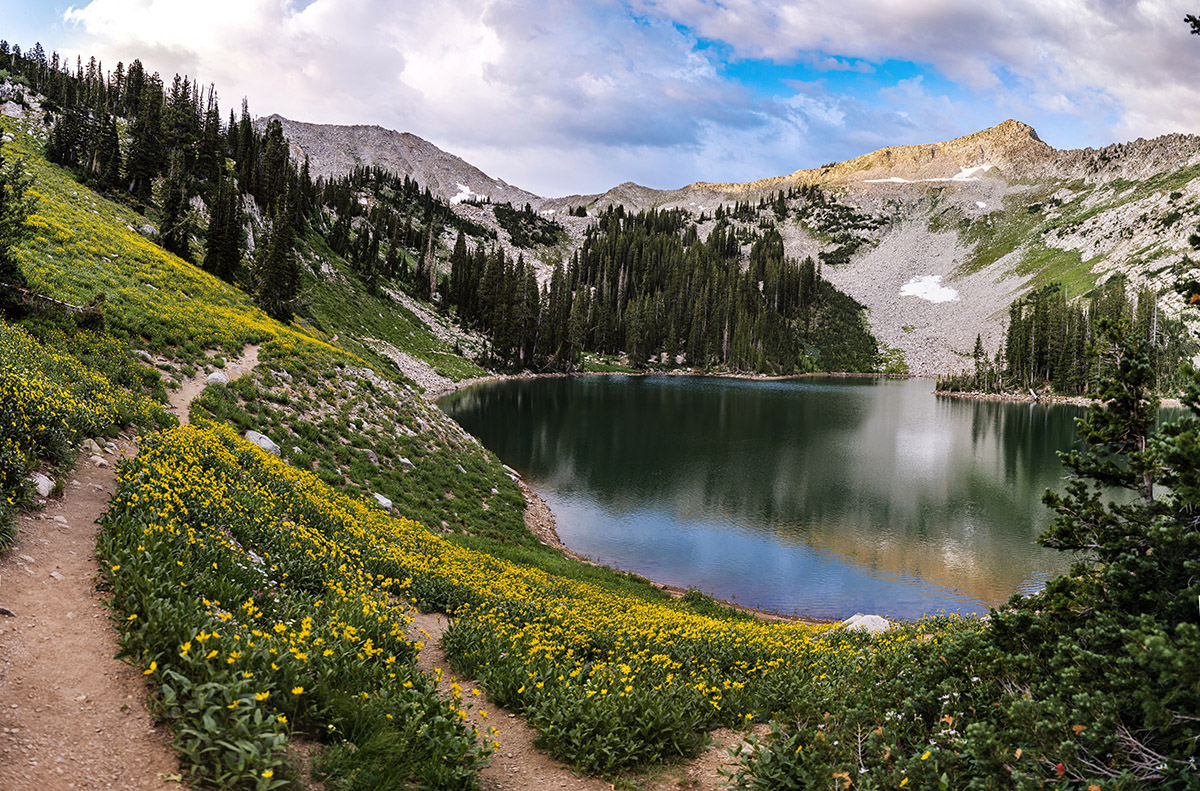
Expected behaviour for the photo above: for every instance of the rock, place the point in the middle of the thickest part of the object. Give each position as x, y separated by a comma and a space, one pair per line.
43, 484
384, 502
26, 558
149, 231
90, 446
57, 576
461, 469
511, 472
262, 441
144, 355
874, 624
374, 458
99, 460
405, 462
217, 378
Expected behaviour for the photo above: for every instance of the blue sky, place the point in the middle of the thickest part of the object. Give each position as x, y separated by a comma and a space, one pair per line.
575, 97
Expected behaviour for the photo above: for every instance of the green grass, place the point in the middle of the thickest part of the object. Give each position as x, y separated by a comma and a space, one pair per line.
1051, 265
340, 305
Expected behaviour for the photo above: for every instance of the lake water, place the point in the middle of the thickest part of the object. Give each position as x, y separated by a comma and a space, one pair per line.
818, 496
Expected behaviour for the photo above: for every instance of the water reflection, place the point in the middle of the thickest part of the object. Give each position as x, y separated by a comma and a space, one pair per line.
822, 496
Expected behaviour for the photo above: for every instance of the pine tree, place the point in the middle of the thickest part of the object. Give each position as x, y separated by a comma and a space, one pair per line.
175, 226
223, 244
277, 273
146, 153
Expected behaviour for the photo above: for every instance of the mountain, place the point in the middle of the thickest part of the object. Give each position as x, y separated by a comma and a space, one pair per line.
334, 150
959, 229
936, 240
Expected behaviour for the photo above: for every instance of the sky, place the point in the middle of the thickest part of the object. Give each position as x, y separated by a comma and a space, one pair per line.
562, 97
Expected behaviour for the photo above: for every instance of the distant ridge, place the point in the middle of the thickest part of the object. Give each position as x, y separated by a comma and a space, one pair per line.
334, 150
1010, 147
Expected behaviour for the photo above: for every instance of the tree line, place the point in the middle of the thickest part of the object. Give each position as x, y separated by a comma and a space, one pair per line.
647, 286
1048, 339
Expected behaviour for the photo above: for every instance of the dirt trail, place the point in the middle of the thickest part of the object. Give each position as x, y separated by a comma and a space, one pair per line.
519, 766
72, 716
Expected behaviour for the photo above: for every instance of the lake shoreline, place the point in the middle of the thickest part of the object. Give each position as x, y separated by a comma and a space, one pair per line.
435, 393
1025, 398
542, 522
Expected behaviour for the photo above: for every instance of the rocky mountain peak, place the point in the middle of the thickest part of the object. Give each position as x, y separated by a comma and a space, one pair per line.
334, 150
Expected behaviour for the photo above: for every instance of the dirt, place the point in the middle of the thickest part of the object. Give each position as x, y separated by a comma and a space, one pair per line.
71, 715
517, 765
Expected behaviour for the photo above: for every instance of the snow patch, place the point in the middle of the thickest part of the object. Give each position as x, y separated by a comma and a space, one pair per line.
929, 288
464, 193
963, 174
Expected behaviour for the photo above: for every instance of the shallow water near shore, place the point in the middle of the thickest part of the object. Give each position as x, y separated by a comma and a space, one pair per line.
819, 496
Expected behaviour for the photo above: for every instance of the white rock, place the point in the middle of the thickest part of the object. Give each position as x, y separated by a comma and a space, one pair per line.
262, 441
217, 378
99, 461
874, 624
384, 502
90, 446
43, 484
405, 462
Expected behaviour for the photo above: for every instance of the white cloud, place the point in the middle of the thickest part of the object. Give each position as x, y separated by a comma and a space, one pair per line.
559, 96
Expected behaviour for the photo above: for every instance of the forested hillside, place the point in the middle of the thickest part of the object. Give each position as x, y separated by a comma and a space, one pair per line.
227, 195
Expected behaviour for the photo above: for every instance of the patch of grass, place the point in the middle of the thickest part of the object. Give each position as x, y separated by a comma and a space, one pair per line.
1051, 265
340, 305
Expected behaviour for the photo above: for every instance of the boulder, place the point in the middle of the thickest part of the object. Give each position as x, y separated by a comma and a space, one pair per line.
90, 446
405, 462
217, 378
371, 456
43, 484
262, 441
384, 502
874, 624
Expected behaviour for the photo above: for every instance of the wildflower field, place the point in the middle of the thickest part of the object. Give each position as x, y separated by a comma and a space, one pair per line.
58, 390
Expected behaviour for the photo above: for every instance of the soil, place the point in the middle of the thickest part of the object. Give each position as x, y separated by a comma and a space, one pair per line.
517, 765
72, 716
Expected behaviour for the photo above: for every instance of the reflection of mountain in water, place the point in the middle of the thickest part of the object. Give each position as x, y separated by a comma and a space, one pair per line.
879, 473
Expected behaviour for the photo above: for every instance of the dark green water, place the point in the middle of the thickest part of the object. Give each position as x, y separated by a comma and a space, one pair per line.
823, 496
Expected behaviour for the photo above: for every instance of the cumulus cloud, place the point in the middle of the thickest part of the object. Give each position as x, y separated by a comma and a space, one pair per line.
560, 97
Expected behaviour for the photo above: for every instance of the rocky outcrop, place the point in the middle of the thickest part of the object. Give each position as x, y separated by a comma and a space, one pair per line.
263, 441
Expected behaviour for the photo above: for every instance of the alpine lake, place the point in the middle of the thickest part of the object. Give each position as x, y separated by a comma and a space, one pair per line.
820, 496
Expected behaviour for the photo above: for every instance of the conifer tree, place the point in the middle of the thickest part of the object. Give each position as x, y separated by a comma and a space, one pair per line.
175, 227
277, 273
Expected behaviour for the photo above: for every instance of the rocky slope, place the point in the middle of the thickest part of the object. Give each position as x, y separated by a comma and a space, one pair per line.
334, 150
955, 230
